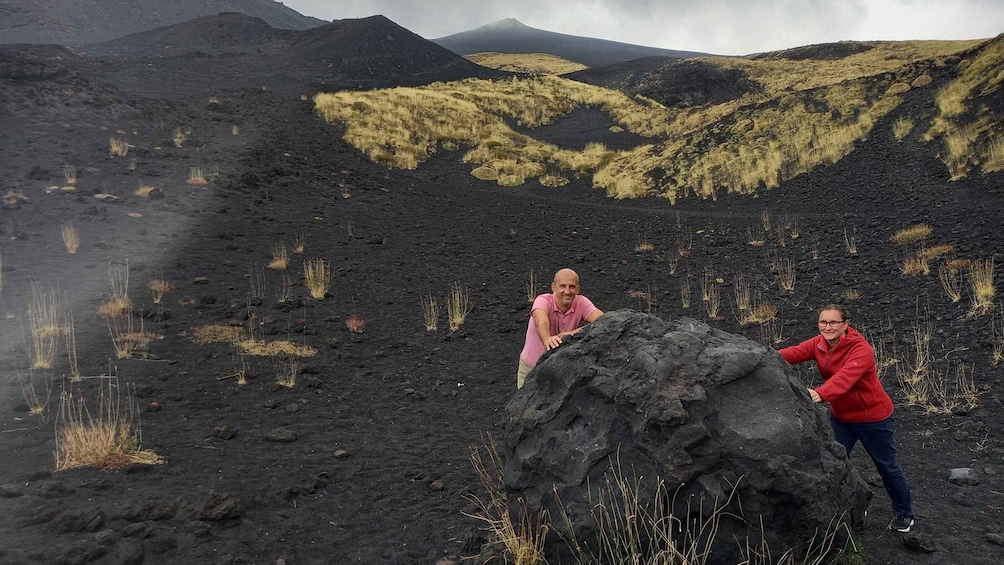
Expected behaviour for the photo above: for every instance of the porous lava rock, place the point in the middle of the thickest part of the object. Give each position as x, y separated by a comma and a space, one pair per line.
709, 413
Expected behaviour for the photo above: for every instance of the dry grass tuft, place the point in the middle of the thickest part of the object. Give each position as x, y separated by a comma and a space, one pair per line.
523, 541
710, 293
69, 174
981, 286
196, 176
299, 243
158, 288
458, 306
179, 137
317, 275
902, 127
144, 190
71, 238
109, 439
280, 257
951, 280
430, 313
43, 318
911, 234
117, 147
285, 367
644, 246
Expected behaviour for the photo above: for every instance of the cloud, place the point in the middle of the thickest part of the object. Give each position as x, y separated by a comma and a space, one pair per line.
731, 27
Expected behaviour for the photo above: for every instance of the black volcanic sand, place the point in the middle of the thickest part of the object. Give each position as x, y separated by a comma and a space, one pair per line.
383, 420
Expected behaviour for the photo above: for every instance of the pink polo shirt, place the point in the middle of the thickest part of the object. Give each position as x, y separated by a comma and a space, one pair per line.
580, 309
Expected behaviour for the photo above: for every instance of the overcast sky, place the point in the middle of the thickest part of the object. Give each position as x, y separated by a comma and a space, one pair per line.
726, 27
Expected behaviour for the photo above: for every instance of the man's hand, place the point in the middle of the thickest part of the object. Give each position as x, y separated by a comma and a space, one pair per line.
552, 342
814, 396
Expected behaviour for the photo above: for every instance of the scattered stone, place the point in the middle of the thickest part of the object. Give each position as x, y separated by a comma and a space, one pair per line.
962, 498
964, 476
224, 431
160, 541
107, 537
446, 562
80, 553
32, 515
271, 404
85, 521
10, 491
149, 511
321, 481
292, 407
282, 435
341, 454
156, 194
220, 507
207, 300
415, 475
436, 485
197, 528
996, 539
137, 530
200, 280
126, 552
409, 391
152, 406
918, 542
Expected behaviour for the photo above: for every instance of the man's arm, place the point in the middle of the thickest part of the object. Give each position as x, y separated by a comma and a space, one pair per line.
543, 325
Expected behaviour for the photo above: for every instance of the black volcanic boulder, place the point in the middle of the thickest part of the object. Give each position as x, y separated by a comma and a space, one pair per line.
721, 420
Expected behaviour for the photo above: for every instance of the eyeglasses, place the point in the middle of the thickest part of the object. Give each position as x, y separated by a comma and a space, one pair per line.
830, 323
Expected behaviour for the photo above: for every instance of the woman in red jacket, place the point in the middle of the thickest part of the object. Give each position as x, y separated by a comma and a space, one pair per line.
860, 409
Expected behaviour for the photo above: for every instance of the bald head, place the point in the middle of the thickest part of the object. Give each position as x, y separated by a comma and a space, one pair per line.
566, 274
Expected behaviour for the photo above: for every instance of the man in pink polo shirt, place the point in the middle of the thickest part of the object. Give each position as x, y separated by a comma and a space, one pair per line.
553, 316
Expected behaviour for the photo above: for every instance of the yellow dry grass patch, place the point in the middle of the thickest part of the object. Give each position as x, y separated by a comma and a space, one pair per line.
215, 333
902, 127
911, 234
275, 348
971, 142
813, 113
530, 63
107, 439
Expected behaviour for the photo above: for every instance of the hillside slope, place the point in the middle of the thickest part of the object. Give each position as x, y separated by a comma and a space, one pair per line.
511, 36
74, 22
245, 52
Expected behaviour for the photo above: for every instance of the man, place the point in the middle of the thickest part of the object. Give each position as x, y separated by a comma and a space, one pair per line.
553, 316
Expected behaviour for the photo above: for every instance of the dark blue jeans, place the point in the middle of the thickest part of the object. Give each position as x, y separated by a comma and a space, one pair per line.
877, 438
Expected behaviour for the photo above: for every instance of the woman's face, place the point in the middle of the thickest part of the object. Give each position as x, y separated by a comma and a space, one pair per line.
831, 325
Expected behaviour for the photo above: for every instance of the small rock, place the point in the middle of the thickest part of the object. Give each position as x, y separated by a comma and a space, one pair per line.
220, 507
225, 431
200, 280
153, 406
341, 454
996, 539
281, 435
964, 476
436, 485
962, 498
918, 542
272, 404
207, 299
294, 407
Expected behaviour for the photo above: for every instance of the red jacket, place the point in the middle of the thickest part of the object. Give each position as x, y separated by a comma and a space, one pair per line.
850, 383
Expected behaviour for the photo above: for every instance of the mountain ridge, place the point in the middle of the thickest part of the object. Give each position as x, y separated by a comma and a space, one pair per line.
509, 35
68, 22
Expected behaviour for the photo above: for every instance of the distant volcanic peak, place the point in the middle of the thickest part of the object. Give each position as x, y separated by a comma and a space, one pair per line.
507, 24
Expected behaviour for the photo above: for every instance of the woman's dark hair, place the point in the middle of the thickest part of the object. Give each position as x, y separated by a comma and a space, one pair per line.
843, 311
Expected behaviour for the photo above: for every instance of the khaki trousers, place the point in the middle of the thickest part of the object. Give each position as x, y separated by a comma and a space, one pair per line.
521, 373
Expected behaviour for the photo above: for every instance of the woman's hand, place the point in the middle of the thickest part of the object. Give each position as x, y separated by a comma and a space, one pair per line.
814, 396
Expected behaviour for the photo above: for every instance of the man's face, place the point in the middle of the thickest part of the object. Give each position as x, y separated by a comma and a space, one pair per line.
565, 287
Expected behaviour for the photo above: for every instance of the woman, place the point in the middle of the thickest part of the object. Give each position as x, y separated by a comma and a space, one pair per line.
860, 409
